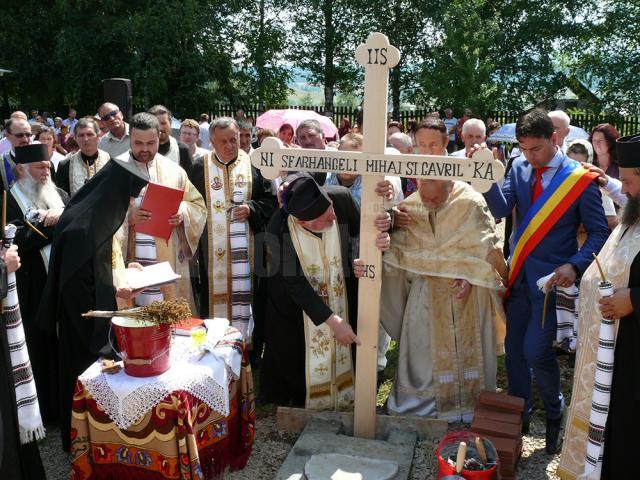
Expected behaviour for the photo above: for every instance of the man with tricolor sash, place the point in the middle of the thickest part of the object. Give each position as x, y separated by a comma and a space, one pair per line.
550, 195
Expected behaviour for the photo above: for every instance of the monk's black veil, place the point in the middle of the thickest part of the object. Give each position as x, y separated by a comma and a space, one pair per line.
83, 235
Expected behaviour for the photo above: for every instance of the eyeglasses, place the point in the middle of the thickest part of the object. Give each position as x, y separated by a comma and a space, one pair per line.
110, 115
22, 134
189, 134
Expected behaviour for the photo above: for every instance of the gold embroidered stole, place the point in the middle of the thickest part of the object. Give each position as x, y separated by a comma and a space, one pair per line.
219, 188
194, 211
80, 172
616, 258
329, 373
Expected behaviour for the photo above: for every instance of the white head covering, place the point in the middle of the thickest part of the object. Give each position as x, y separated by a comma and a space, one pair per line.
587, 145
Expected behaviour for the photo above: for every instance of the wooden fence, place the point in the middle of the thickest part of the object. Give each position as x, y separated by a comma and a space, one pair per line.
626, 125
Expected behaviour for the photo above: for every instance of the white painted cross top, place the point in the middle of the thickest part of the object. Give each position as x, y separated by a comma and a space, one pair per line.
377, 56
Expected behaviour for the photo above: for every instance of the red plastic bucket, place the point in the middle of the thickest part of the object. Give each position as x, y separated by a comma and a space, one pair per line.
144, 346
454, 438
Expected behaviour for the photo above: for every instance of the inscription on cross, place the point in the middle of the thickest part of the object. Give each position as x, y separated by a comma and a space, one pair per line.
377, 56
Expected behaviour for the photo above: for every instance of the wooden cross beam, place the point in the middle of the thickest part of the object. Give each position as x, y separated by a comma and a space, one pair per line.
377, 56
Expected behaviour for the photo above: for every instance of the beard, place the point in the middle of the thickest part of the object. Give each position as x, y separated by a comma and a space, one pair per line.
631, 211
43, 196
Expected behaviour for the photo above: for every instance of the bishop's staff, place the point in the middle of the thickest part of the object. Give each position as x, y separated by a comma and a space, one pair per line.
29, 419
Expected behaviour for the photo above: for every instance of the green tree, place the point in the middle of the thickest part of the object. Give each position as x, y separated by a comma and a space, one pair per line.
407, 23
605, 54
485, 54
172, 53
262, 77
323, 43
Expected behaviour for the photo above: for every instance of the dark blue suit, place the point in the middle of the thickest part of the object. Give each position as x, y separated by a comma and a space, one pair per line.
528, 346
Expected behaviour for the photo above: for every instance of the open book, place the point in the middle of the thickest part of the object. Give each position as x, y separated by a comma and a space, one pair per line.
151, 276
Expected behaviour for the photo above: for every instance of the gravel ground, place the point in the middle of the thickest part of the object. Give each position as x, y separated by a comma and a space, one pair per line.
272, 446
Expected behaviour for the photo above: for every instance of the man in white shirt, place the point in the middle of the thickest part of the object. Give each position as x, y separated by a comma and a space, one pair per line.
561, 122
189, 134
474, 132
204, 131
71, 120
117, 141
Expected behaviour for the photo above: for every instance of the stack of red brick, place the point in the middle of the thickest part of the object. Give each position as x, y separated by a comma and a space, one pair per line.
498, 417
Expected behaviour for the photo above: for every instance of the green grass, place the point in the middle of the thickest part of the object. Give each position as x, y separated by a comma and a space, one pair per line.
385, 378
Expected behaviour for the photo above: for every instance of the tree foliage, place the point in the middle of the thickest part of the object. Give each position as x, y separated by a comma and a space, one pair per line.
263, 76
606, 54
323, 43
486, 54
482, 54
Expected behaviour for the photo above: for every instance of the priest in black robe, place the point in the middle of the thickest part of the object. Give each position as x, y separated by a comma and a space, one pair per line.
17, 462
81, 277
34, 195
621, 429
291, 295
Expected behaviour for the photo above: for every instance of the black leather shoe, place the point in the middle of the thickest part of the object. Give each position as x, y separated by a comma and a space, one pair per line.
553, 441
525, 427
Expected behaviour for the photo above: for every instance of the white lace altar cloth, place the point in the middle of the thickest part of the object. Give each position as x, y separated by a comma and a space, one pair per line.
127, 399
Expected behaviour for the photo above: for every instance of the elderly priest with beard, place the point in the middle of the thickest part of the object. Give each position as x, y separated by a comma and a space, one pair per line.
34, 205
441, 299
312, 294
601, 431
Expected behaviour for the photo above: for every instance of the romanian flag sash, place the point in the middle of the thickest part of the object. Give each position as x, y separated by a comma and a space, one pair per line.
565, 187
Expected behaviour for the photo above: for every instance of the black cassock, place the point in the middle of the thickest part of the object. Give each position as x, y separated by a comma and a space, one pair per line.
262, 205
289, 294
17, 462
80, 275
621, 431
30, 281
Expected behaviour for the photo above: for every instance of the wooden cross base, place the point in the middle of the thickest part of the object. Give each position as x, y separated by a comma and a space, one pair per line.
293, 420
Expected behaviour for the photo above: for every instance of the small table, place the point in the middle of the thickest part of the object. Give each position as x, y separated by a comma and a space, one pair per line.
179, 437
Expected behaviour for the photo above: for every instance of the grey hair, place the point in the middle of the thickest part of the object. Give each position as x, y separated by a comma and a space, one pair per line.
144, 121
474, 122
222, 123
403, 138
88, 122
311, 125
244, 125
109, 105
560, 115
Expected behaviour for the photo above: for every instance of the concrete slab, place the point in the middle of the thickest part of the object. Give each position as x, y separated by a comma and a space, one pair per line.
335, 466
294, 420
325, 435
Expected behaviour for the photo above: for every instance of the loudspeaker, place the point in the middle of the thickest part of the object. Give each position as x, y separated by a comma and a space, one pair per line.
118, 91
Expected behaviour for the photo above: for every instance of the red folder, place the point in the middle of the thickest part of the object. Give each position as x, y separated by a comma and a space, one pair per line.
185, 326
163, 202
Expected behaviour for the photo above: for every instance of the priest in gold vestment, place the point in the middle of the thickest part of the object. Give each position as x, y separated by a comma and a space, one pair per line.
239, 203
602, 424
441, 299
188, 222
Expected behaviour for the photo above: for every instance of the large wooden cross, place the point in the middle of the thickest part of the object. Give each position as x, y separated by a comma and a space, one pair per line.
377, 56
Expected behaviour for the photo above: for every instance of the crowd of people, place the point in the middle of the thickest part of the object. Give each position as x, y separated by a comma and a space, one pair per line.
279, 259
